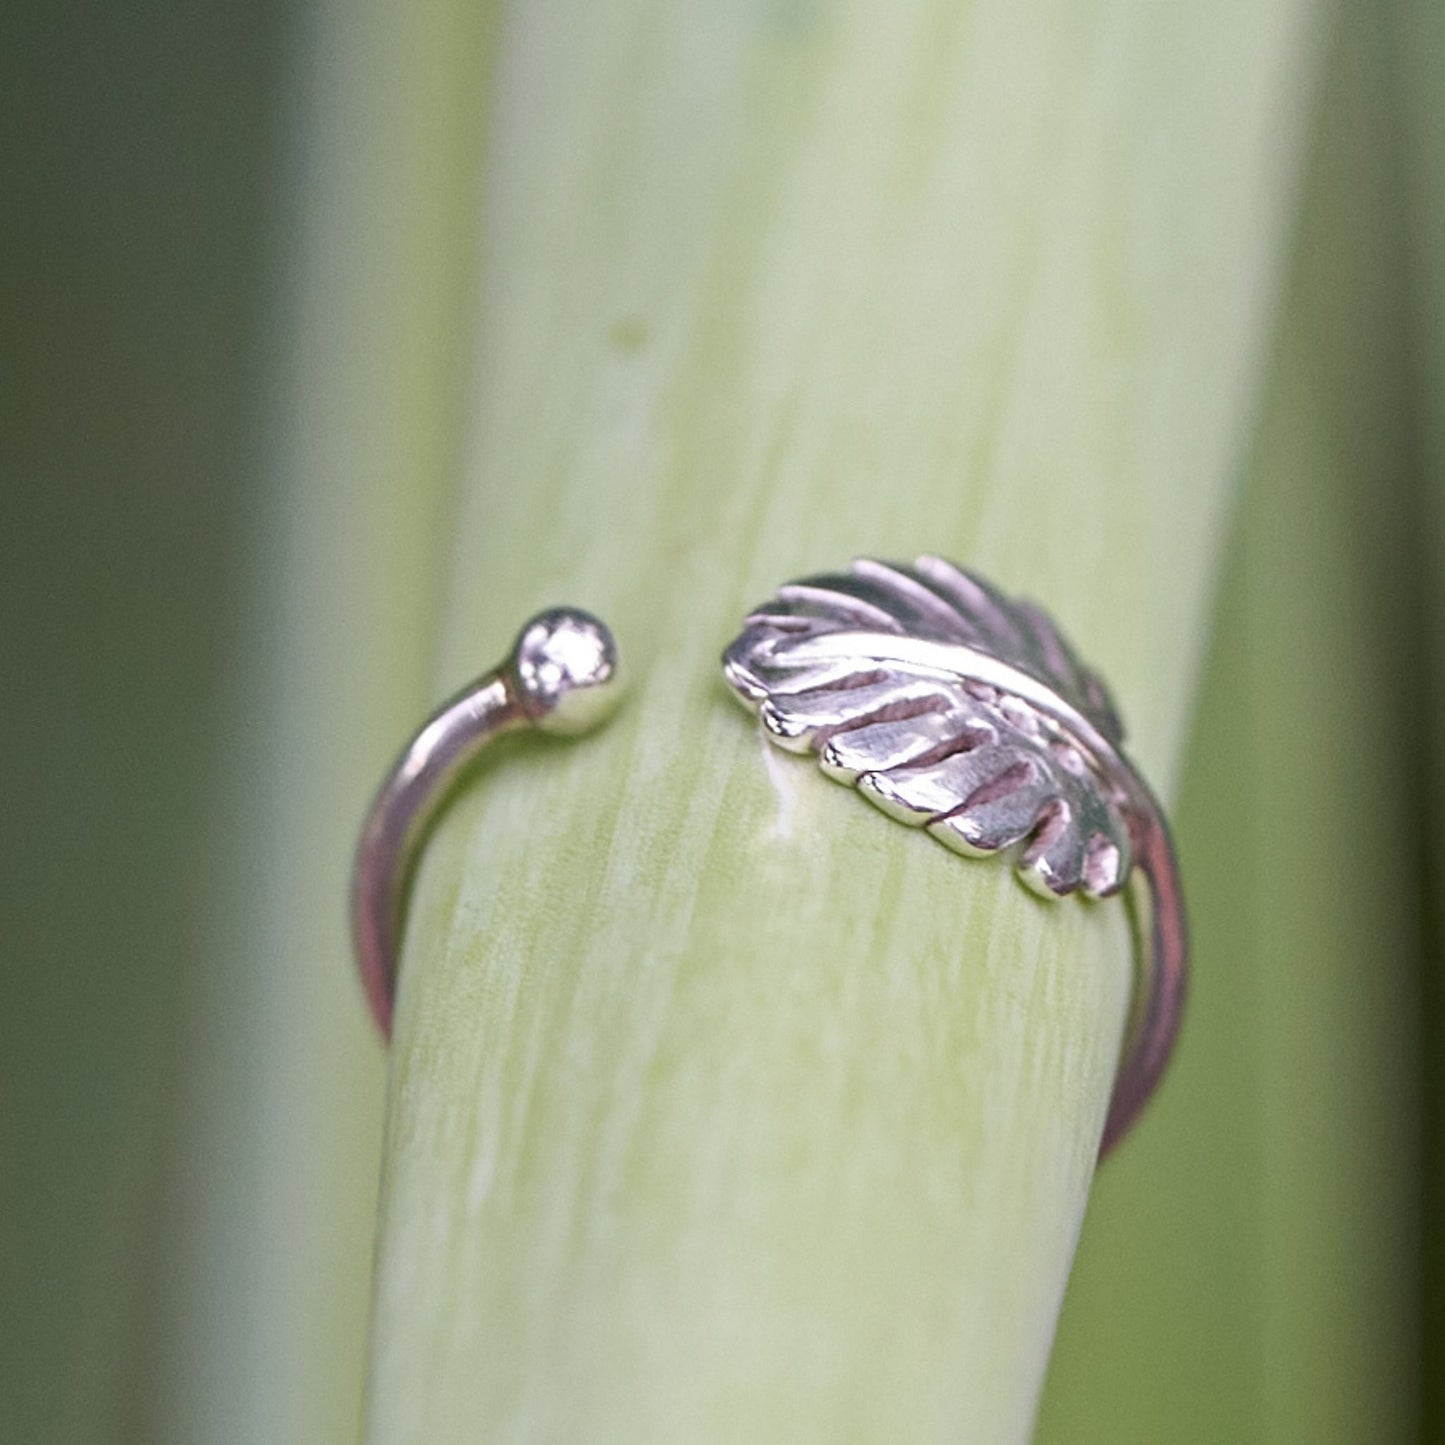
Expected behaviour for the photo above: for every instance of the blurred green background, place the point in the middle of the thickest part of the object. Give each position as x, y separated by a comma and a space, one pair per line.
138, 166
1262, 1263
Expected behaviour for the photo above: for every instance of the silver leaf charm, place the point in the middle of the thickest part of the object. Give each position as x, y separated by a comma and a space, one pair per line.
957, 709
949, 707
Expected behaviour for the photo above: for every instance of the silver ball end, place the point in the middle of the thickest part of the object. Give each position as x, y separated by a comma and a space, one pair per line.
565, 666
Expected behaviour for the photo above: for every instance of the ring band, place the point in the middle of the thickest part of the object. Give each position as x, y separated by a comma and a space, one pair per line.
560, 677
954, 708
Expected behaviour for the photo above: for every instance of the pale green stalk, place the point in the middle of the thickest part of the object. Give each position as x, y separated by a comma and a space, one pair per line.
722, 1108
269, 1303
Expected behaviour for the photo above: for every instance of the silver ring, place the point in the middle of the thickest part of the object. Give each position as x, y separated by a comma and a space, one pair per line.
946, 704
954, 708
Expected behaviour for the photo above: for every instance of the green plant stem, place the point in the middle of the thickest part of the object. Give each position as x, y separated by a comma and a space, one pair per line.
721, 1108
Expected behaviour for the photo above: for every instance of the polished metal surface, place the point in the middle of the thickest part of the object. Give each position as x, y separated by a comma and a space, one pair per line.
954, 708
946, 704
561, 677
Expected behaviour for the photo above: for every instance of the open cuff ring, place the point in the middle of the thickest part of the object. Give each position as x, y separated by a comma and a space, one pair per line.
946, 704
